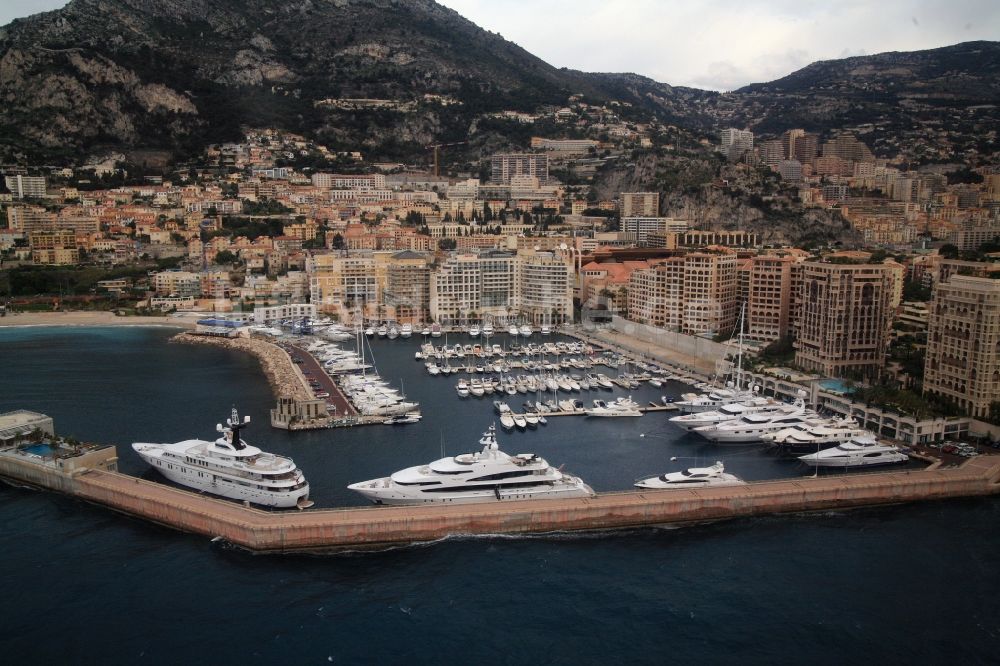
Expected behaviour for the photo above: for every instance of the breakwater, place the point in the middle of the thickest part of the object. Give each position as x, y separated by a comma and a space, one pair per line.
379, 527
285, 380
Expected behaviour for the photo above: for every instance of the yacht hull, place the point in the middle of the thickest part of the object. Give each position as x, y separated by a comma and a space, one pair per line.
216, 485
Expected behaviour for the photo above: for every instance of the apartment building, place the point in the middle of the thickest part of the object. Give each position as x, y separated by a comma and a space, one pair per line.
640, 204
845, 312
474, 286
177, 283
545, 287
692, 293
963, 343
769, 298
639, 229
344, 284
53, 248
407, 287
331, 181
25, 187
507, 165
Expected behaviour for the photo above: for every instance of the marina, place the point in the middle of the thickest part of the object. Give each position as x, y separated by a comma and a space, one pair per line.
736, 566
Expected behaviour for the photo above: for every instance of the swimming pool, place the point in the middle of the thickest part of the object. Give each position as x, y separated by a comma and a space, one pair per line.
836, 386
40, 450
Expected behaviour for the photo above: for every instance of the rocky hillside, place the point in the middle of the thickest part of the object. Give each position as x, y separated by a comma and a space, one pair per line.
173, 75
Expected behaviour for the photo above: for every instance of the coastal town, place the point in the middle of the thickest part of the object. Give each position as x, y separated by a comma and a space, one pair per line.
895, 320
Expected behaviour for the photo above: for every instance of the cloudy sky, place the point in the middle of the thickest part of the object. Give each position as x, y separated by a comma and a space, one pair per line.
716, 44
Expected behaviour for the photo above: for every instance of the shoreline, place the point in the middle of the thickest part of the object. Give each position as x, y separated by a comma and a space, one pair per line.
84, 319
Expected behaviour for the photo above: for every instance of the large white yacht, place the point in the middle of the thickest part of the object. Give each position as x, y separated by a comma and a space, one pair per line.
487, 476
730, 412
804, 439
750, 429
859, 452
694, 477
229, 467
692, 403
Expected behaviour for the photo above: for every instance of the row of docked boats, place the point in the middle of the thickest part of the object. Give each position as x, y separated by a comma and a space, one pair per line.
230, 467
793, 430
490, 475
524, 353
514, 384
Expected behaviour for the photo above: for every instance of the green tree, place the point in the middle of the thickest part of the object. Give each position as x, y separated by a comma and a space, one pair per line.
225, 257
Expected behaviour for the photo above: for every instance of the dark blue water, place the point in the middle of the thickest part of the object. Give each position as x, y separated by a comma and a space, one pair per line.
911, 584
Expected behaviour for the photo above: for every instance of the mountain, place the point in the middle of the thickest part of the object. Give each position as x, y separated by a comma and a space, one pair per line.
174, 75
906, 97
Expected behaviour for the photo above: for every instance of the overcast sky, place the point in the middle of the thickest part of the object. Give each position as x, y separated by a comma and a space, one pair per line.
716, 44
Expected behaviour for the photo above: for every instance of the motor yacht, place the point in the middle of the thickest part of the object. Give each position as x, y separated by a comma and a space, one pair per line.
859, 452
730, 412
513, 330
750, 429
489, 475
488, 330
382, 331
619, 407
474, 331
804, 439
692, 478
229, 467
406, 330
435, 330
525, 331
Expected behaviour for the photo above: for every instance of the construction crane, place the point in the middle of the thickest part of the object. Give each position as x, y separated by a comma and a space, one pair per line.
437, 153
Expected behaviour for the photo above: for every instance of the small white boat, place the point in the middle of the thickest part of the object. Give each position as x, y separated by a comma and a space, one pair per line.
513, 330
393, 332
546, 330
425, 331
435, 330
462, 388
473, 331
520, 421
525, 331
370, 331
507, 421
382, 331
487, 329
406, 330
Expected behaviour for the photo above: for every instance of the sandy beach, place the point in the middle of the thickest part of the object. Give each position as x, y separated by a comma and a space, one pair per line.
92, 319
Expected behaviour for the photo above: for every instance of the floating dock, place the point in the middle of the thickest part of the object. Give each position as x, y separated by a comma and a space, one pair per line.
93, 479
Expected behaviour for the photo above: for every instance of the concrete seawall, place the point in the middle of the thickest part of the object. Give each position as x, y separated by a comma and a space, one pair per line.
374, 527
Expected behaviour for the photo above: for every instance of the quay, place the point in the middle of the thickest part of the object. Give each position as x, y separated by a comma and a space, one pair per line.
91, 477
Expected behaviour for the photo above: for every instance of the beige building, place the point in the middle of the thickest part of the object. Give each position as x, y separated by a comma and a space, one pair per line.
963, 343
545, 287
845, 313
407, 287
640, 204
692, 293
54, 248
344, 285
769, 298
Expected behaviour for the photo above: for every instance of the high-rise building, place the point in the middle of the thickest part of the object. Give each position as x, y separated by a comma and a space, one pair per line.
26, 187
505, 166
771, 152
640, 204
845, 313
847, 147
545, 287
735, 142
769, 298
638, 229
790, 170
800, 145
407, 287
691, 293
963, 343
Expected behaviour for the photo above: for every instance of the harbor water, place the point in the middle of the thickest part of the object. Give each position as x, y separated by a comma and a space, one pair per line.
82, 584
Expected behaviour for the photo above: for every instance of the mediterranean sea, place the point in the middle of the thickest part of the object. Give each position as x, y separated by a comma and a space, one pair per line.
81, 584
